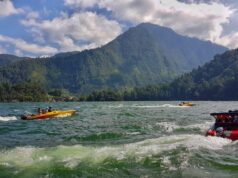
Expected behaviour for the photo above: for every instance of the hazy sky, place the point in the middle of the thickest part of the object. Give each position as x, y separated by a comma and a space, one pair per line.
46, 27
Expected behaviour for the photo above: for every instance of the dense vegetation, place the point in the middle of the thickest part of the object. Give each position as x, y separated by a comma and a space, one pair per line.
144, 55
6, 59
216, 80
22, 92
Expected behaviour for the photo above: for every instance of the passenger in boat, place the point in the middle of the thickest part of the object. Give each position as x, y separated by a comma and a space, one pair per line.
39, 111
235, 119
50, 109
43, 111
219, 131
231, 120
233, 111
218, 120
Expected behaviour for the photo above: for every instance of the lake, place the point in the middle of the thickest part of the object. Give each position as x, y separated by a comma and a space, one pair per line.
116, 139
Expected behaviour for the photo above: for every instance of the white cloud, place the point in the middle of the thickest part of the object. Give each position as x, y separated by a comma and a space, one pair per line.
32, 15
230, 40
22, 45
81, 3
2, 50
203, 19
197, 20
77, 32
18, 52
7, 8
198, 1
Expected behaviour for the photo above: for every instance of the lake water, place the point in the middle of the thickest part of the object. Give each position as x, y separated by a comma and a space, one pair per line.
116, 139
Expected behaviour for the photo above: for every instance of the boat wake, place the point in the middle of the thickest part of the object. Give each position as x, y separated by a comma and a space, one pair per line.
72, 156
159, 106
171, 126
7, 118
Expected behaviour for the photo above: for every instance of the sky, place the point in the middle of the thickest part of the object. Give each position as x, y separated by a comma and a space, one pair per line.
46, 27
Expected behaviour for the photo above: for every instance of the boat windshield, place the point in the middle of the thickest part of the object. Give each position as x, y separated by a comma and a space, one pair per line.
227, 124
227, 120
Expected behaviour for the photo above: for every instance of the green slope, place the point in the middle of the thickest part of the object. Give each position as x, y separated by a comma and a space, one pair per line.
146, 54
6, 59
216, 80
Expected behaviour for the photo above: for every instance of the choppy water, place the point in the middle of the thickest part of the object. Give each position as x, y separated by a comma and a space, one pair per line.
116, 139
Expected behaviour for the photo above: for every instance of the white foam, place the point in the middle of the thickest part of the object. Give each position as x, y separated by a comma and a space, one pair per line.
44, 158
7, 118
167, 162
116, 106
21, 156
168, 126
5, 164
133, 133
203, 126
148, 106
71, 156
171, 126
158, 106
174, 106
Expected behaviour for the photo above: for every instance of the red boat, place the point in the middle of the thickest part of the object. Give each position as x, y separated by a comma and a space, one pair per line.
226, 125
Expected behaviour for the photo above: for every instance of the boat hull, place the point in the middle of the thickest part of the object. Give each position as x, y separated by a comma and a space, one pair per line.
49, 115
187, 104
226, 125
233, 135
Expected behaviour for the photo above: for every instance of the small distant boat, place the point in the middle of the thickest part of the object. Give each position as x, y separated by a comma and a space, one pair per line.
187, 104
226, 125
49, 115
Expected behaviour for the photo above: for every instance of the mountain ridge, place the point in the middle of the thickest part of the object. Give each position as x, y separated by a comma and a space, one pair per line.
7, 59
143, 55
216, 80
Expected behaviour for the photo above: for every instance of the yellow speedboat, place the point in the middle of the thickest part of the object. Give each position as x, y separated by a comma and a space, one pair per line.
49, 115
186, 104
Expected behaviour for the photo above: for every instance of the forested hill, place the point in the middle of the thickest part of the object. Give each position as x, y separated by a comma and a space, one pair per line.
216, 80
143, 55
6, 59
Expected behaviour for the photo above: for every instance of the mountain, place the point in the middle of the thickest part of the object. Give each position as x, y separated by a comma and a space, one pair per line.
6, 59
143, 55
216, 80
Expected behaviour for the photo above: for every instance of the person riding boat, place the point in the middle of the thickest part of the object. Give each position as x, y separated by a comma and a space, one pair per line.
50, 109
39, 111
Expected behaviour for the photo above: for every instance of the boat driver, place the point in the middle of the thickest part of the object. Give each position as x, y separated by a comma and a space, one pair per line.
50, 109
